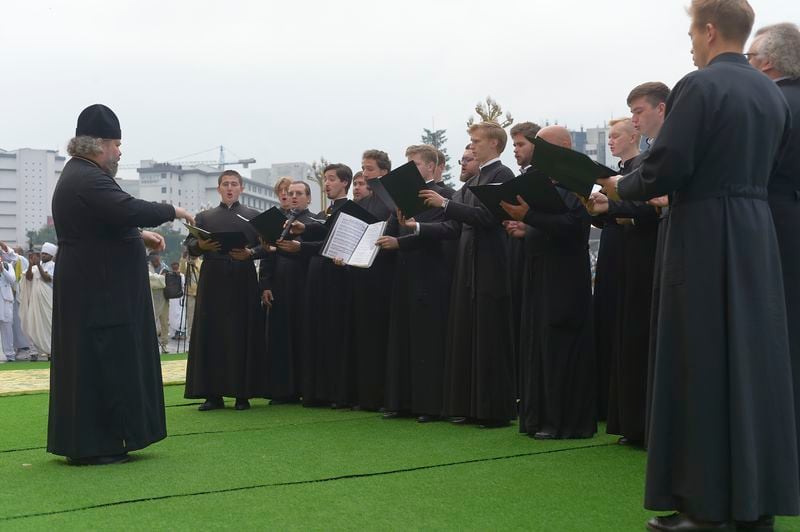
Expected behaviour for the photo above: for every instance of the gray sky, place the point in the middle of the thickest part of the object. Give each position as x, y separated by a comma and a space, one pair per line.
290, 81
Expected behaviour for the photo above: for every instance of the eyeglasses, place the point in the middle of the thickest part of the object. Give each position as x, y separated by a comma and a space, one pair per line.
748, 55
462, 162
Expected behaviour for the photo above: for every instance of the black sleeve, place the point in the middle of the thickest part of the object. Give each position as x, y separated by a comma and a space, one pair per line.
111, 205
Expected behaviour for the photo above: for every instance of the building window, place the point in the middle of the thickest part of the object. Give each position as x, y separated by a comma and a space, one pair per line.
163, 190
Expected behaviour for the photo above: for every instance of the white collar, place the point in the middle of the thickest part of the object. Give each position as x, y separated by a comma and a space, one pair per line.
487, 163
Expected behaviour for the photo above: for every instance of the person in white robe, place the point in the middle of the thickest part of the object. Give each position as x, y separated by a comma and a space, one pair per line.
22, 344
36, 299
7, 282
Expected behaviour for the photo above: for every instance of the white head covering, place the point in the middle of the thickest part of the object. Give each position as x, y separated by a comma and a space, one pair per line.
50, 249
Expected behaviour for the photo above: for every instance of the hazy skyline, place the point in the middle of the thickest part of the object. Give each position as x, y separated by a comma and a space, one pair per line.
300, 80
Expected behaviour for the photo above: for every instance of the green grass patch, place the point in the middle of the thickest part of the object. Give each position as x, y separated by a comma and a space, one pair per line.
289, 468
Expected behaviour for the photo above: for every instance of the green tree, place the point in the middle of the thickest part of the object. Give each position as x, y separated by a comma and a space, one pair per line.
318, 175
490, 111
46, 233
437, 139
174, 243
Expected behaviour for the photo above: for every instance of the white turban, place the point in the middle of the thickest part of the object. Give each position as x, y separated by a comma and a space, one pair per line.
50, 249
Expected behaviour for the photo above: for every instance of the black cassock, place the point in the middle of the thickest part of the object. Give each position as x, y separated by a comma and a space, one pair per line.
721, 441
106, 395
784, 201
479, 357
605, 305
560, 393
372, 290
227, 350
419, 305
285, 275
327, 355
628, 383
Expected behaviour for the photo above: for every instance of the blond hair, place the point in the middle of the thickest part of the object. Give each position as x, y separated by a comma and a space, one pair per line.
491, 131
732, 18
426, 152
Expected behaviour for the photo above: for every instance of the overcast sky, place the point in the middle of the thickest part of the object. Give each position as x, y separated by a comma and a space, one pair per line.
293, 81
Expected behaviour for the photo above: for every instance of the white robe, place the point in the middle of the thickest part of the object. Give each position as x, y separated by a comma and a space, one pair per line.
36, 307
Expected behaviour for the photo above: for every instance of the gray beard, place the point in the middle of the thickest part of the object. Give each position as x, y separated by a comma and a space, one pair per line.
112, 168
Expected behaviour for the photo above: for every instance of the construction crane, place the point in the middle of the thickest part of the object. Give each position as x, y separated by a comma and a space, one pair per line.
220, 163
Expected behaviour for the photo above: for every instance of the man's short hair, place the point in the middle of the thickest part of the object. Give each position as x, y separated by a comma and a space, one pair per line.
526, 129
283, 183
381, 158
230, 173
627, 123
732, 18
305, 185
343, 172
780, 44
492, 131
654, 92
426, 152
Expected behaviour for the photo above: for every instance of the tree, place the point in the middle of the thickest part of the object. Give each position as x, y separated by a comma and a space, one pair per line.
490, 111
318, 175
437, 139
46, 233
174, 243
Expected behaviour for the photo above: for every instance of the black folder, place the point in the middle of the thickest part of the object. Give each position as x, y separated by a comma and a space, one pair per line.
403, 185
229, 240
269, 224
535, 187
353, 209
379, 190
574, 170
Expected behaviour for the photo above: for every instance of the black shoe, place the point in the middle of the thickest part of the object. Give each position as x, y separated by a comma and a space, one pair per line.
680, 522
242, 404
457, 420
284, 401
623, 441
99, 460
766, 523
545, 434
390, 414
427, 419
355, 408
338, 406
212, 403
492, 423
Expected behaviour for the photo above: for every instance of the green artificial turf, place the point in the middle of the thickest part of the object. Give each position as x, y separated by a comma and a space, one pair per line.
21, 365
286, 467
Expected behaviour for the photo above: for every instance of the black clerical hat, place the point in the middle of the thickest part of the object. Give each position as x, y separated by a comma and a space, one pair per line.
98, 121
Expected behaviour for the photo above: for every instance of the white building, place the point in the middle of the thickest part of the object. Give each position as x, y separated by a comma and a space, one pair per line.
597, 147
194, 187
27, 180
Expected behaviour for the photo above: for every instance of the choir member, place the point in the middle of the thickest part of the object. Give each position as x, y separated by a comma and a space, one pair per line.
558, 400
227, 348
722, 446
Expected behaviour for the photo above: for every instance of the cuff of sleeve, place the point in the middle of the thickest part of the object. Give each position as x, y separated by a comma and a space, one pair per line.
416, 229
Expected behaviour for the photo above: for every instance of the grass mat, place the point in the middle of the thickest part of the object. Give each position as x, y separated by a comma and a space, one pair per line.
287, 467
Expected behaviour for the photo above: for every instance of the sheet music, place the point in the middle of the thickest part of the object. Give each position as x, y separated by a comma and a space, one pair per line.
345, 236
366, 250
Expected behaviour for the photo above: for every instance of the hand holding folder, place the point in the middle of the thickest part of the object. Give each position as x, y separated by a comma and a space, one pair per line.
535, 188
572, 169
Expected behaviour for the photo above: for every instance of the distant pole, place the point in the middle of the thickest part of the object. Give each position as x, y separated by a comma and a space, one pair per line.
221, 158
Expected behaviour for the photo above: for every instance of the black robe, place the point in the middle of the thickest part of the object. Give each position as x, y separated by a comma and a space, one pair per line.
285, 275
722, 443
560, 394
419, 307
784, 201
628, 384
479, 357
227, 350
605, 305
106, 395
327, 353
372, 291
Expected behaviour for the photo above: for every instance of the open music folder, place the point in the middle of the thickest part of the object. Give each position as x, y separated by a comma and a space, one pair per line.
353, 240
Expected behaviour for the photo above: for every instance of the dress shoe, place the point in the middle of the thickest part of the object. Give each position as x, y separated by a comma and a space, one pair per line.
457, 420
680, 522
765, 524
390, 414
545, 434
427, 419
99, 460
242, 404
338, 406
492, 423
355, 408
212, 403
